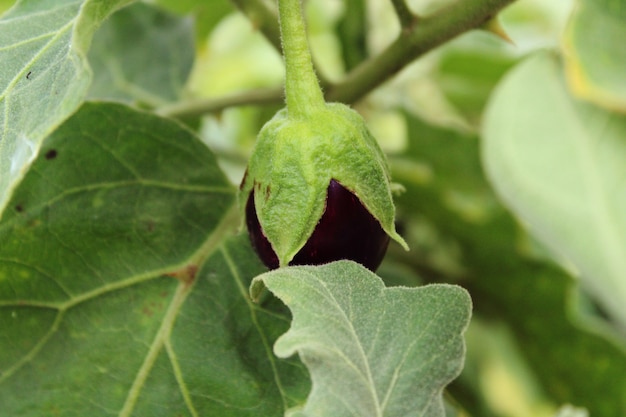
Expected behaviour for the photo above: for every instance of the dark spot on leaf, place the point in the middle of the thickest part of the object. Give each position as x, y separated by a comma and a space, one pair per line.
51, 154
147, 312
28, 75
19, 208
191, 273
186, 275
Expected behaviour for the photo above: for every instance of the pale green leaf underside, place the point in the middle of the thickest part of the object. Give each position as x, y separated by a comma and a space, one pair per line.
560, 164
92, 322
44, 75
371, 350
595, 56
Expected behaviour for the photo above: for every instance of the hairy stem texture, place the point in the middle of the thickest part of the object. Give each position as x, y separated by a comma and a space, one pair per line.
302, 89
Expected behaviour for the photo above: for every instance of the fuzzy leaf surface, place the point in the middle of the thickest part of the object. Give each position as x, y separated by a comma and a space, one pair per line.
44, 77
371, 350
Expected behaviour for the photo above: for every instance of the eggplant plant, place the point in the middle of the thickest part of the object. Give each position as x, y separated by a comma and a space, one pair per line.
312, 208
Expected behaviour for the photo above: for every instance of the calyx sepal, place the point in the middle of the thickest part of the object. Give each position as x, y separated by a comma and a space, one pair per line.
292, 165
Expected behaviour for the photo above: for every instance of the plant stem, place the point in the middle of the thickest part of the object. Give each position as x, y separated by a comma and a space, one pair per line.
302, 89
195, 108
431, 32
411, 43
265, 19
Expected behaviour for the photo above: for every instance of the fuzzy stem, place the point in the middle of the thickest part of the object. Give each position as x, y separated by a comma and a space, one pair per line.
302, 89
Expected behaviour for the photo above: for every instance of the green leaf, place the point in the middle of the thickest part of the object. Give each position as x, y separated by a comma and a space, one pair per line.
594, 59
142, 53
371, 350
119, 293
45, 75
110, 172
559, 164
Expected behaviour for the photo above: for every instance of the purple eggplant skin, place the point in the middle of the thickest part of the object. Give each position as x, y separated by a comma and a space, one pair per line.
346, 230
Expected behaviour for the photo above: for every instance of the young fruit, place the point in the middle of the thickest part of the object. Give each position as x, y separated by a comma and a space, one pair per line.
346, 230
317, 187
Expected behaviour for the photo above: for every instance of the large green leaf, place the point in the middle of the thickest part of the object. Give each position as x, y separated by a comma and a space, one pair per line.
119, 293
142, 53
595, 56
371, 350
44, 76
560, 165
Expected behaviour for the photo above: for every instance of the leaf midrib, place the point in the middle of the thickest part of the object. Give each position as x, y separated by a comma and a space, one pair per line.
359, 345
161, 338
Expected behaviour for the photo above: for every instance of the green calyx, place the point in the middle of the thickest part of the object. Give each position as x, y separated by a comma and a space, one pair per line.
293, 163
304, 147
